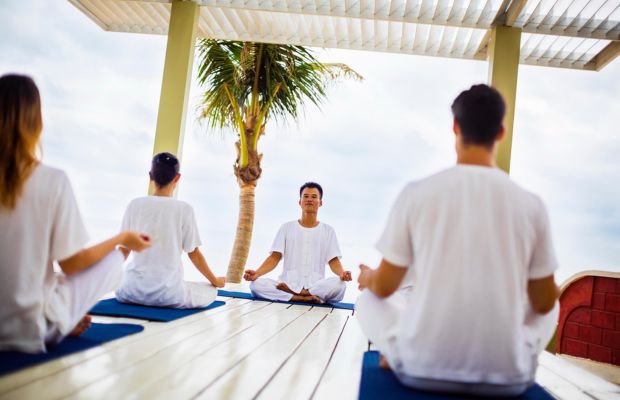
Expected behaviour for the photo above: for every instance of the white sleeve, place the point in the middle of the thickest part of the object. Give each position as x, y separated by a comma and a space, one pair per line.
279, 243
543, 262
333, 249
126, 224
69, 234
191, 237
395, 243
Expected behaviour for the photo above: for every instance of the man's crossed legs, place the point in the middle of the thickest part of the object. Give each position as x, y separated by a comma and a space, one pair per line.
328, 290
376, 316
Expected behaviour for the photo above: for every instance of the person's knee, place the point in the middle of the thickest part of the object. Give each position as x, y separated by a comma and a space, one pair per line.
338, 290
117, 273
107, 272
337, 285
258, 285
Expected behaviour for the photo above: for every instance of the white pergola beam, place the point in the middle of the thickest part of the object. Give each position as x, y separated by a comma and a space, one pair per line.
605, 56
426, 15
393, 26
513, 11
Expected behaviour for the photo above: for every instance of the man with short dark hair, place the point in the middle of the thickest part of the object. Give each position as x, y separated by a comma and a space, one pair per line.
484, 302
306, 245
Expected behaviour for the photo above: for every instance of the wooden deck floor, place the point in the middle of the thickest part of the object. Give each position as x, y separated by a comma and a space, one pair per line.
243, 350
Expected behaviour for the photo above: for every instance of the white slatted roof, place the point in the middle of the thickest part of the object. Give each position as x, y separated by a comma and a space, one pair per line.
578, 34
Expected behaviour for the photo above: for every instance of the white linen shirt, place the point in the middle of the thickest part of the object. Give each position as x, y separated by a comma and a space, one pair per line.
473, 239
155, 276
305, 252
45, 226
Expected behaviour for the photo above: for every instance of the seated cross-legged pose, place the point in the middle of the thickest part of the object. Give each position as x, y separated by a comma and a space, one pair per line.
40, 224
155, 276
305, 245
484, 301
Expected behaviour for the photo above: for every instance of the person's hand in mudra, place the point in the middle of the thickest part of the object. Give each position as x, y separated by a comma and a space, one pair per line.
250, 275
346, 276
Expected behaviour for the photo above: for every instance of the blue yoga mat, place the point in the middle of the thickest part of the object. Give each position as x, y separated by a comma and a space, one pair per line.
114, 308
380, 383
97, 334
249, 296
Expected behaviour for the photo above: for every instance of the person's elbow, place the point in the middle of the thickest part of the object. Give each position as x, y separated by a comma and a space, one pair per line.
387, 278
384, 288
73, 265
543, 294
194, 254
543, 306
383, 291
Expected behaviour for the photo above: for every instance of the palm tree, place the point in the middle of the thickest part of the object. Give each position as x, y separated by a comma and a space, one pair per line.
246, 84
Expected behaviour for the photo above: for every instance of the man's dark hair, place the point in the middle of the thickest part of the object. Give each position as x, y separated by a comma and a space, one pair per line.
164, 168
311, 185
479, 112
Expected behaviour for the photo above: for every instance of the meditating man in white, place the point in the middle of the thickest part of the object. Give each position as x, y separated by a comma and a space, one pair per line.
484, 298
306, 246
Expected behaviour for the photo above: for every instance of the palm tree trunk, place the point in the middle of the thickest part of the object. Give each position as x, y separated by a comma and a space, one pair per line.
243, 237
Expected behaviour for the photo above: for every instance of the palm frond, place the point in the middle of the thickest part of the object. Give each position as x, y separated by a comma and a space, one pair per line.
265, 80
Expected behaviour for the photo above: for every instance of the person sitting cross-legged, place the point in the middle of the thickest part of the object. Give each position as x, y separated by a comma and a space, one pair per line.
40, 226
155, 276
305, 245
484, 300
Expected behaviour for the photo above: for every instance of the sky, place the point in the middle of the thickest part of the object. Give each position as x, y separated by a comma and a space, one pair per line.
100, 94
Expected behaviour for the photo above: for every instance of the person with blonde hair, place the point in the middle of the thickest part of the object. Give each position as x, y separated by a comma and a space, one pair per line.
40, 224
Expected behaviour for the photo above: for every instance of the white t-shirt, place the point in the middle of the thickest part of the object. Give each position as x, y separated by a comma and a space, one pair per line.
305, 252
45, 226
473, 239
155, 275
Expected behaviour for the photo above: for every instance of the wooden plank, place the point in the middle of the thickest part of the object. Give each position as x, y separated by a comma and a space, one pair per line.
557, 386
23, 377
303, 370
64, 377
343, 373
607, 55
321, 310
260, 365
514, 10
237, 287
100, 319
609, 372
595, 386
181, 370
299, 307
342, 311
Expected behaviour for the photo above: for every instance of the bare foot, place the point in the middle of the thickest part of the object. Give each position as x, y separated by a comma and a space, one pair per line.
307, 299
383, 363
81, 326
284, 287
305, 292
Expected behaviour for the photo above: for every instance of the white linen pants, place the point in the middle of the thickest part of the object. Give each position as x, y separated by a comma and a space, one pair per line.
198, 294
190, 295
377, 316
329, 290
76, 294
